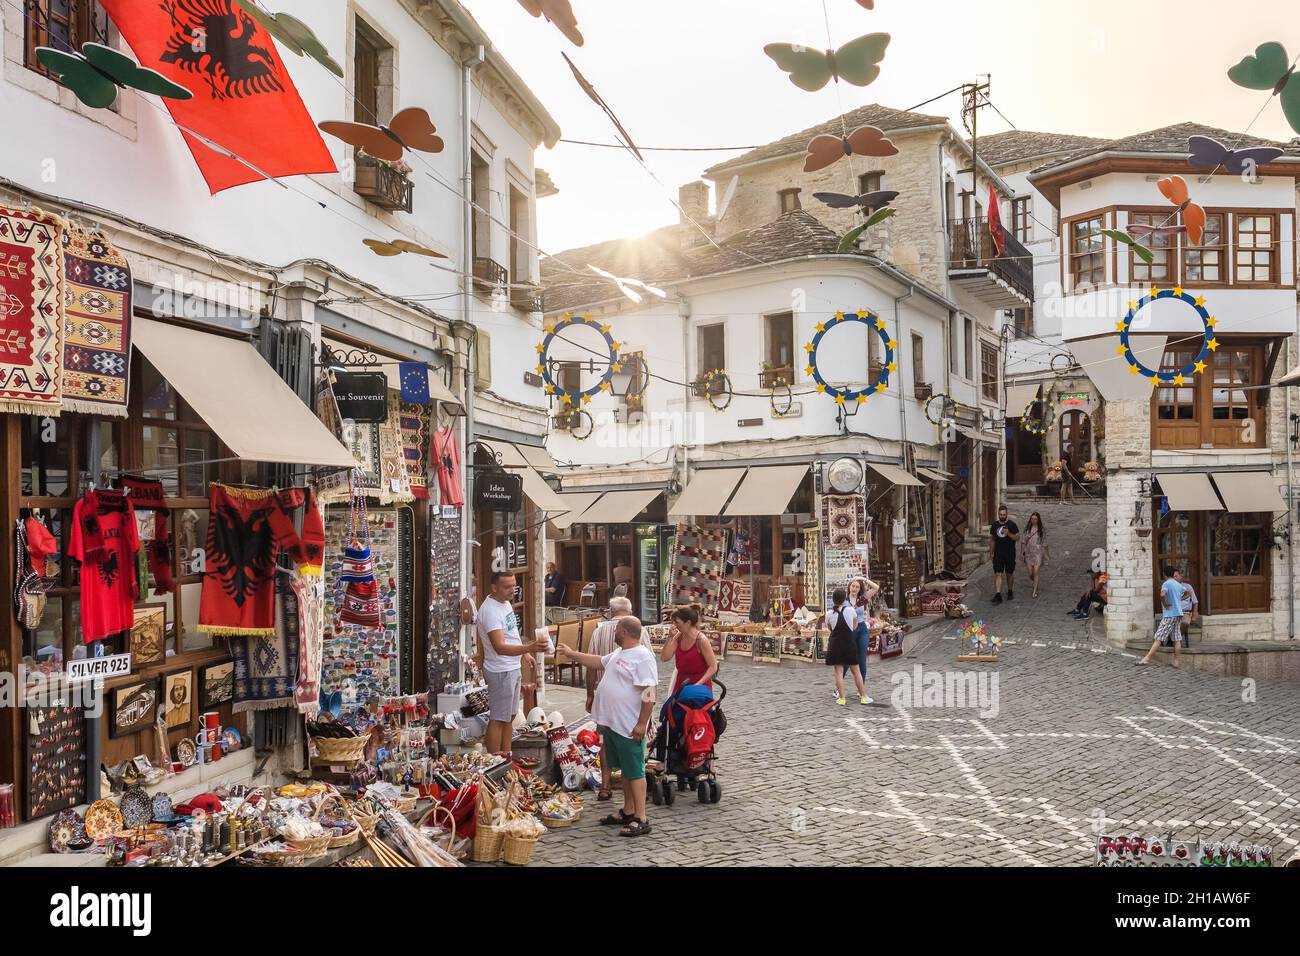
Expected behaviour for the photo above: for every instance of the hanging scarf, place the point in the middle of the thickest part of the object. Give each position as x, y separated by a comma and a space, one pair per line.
247, 528
361, 596
147, 495
446, 453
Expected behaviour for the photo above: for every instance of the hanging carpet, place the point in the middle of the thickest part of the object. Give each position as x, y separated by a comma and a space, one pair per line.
97, 325
266, 665
31, 312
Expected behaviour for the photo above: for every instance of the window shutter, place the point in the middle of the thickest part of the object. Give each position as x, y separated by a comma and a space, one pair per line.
482, 360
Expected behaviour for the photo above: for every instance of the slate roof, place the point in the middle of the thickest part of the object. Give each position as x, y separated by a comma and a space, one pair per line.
872, 115
1172, 139
1016, 145
657, 258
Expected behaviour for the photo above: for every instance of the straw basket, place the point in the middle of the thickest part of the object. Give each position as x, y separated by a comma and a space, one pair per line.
559, 823
487, 843
312, 847
518, 850
341, 750
430, 818
407, 801
344, 839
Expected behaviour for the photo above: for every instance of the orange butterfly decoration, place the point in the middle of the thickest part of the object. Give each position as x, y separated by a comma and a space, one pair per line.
409, 129
1174, 189
399, 246
560, 13
826, 150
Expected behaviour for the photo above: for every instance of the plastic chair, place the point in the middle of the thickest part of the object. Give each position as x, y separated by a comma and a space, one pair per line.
620, 590
568, 635
588, 596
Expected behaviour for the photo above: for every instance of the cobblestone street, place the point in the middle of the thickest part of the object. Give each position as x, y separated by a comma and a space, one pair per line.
1077, 732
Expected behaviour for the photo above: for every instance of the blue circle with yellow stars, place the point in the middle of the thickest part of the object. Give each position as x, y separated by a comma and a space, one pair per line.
858, 395
716, 384
543, 369
946, 418
1209, 344
1049, 419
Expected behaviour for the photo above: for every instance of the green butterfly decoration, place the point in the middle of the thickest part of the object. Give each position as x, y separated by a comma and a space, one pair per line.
857, 62
97, 72
850, 240
1271, 69
293, 33
1139, 250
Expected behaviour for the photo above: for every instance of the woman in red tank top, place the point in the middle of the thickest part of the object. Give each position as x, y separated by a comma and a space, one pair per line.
689, 650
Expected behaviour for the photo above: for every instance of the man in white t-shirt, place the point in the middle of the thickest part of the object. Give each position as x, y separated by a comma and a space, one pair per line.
499, 641
625, 699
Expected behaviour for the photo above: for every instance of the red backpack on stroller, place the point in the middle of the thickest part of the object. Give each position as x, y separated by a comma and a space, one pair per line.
698, 736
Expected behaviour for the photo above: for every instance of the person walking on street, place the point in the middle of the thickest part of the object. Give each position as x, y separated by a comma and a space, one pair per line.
501, 648
602, 644
689, 650
1191, 609
842, 648
1171, 618
625, 699
1033, 549
861, 595
1003, 535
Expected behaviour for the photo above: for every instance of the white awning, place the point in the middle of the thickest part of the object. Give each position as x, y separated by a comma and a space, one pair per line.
895, 474
441, 393
933, 474
766, 491
1018, 396
1290, 378
707, 492
1189, 492
1110, 371
974, 435
229, 384
1249, 491
539, 492
573, 505
619, 507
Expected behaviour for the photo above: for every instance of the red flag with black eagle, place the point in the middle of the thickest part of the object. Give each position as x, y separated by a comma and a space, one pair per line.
995, 223
244, 100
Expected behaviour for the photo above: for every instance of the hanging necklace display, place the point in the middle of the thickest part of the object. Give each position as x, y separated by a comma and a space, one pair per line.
845, 395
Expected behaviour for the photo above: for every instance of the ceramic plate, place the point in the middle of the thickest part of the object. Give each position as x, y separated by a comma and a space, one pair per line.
137, 807
103, 819
185, 751
65, 828
162, 808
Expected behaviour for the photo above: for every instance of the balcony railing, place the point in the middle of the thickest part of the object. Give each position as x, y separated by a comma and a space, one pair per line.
972, 248
773, 377
489, 274
383, 185
528, 299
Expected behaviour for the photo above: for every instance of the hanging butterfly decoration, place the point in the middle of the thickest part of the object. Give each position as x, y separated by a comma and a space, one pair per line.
98, 72
875, 206
558, 12
629, 287
867, 4
1174, 188
856, 62
399, 246
409, 129
1208, 153
600, 101
293, 34
827, 150
1271, 69
1139, 250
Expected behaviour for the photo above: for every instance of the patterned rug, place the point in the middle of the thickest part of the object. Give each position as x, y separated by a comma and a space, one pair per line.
697, 566
266, 668
735, 596
97, 346
842, 520
417, 434
393, 482
31, 312
331, 483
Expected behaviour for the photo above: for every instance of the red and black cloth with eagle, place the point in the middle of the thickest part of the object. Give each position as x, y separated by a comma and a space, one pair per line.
247, 529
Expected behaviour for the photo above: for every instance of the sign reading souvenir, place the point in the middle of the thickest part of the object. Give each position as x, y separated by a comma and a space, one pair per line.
854, 396
98, 668
362, 396
498, 491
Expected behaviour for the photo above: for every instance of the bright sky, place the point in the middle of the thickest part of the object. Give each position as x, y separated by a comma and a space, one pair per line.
693, 73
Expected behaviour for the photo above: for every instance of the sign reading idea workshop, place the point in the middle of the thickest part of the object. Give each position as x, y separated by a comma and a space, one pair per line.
362, 396
501, 491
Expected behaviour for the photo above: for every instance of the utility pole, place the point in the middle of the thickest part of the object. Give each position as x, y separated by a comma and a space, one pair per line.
971, 95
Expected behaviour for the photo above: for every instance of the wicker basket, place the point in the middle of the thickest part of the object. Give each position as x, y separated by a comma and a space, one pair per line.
407, 801
341, 750
559, 823
431, 818
487, 843
518, 850
312, 847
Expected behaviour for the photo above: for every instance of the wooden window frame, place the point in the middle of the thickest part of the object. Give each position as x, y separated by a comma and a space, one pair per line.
1072, 258
917, 342
988, 371
86, 22
1022, 218
1223, 248
1177, 434
701, 369
1172, 249
1272, 249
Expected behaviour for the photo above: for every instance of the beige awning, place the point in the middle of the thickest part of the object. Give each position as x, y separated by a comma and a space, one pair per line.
619, 507
539, 492
515, 455
1189, 492
974, 435
573, 505
1290, 378
538, 457
1018, 396
766, 491
707, 492
1249, 491
933, 474
229, 384
895, 475
441, 393
1110, 371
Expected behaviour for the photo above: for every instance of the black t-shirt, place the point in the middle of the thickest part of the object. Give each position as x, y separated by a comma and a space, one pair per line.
1003, 546
556, 580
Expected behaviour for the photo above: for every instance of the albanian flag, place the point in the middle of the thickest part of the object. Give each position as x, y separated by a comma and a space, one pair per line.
244, 100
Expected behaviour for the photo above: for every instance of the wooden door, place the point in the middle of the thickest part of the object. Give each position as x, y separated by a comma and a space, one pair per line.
1024, 458
1179, 540
1241, 548
1076, 439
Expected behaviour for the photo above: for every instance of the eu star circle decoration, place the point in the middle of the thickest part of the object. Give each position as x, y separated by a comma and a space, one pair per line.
567, 321
948, 409
843, 396
1049, 417
1208, 345
716, 387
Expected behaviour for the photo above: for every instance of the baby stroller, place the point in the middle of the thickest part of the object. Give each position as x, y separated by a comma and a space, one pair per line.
674, 756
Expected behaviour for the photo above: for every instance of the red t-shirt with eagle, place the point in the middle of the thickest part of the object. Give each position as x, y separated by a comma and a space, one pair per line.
108, 587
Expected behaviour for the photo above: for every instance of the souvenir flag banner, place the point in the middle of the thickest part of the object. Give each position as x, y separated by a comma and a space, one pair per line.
417, 440
31, 312
97, 325
243, 100
415, 382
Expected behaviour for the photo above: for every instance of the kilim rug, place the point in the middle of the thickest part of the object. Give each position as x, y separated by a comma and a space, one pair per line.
735, 596
417, 435
97, 325
310, 594
697, 566
394, 485
31, 312
266, 668
331, 483
842, 520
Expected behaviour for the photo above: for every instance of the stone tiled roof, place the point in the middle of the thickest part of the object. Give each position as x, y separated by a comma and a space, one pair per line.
872, 115
1172, 139
658, 259
1016, 145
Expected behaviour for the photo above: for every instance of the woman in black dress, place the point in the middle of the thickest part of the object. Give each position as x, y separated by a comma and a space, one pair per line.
842, 649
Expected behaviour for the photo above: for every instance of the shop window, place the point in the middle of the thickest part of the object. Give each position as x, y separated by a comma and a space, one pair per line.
1240, 549
1219, 408
1163, 249
989, 371
176, 444
788, 200
1022, 218
1204, 263
62, 24
1256, 257
1087, 253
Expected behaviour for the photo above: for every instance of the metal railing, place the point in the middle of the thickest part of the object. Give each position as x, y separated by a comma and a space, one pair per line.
971, 246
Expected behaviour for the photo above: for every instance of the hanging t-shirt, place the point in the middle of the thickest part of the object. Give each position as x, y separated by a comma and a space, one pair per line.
104, 540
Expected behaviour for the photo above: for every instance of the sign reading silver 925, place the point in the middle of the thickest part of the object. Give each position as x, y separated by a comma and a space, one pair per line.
98, 668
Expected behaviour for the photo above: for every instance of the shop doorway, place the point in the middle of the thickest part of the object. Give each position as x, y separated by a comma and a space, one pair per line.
956, 506
1024, 456
988, 485
1076, 439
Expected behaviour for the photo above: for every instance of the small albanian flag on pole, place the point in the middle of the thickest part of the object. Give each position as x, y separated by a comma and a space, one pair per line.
244, 100
995, 223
